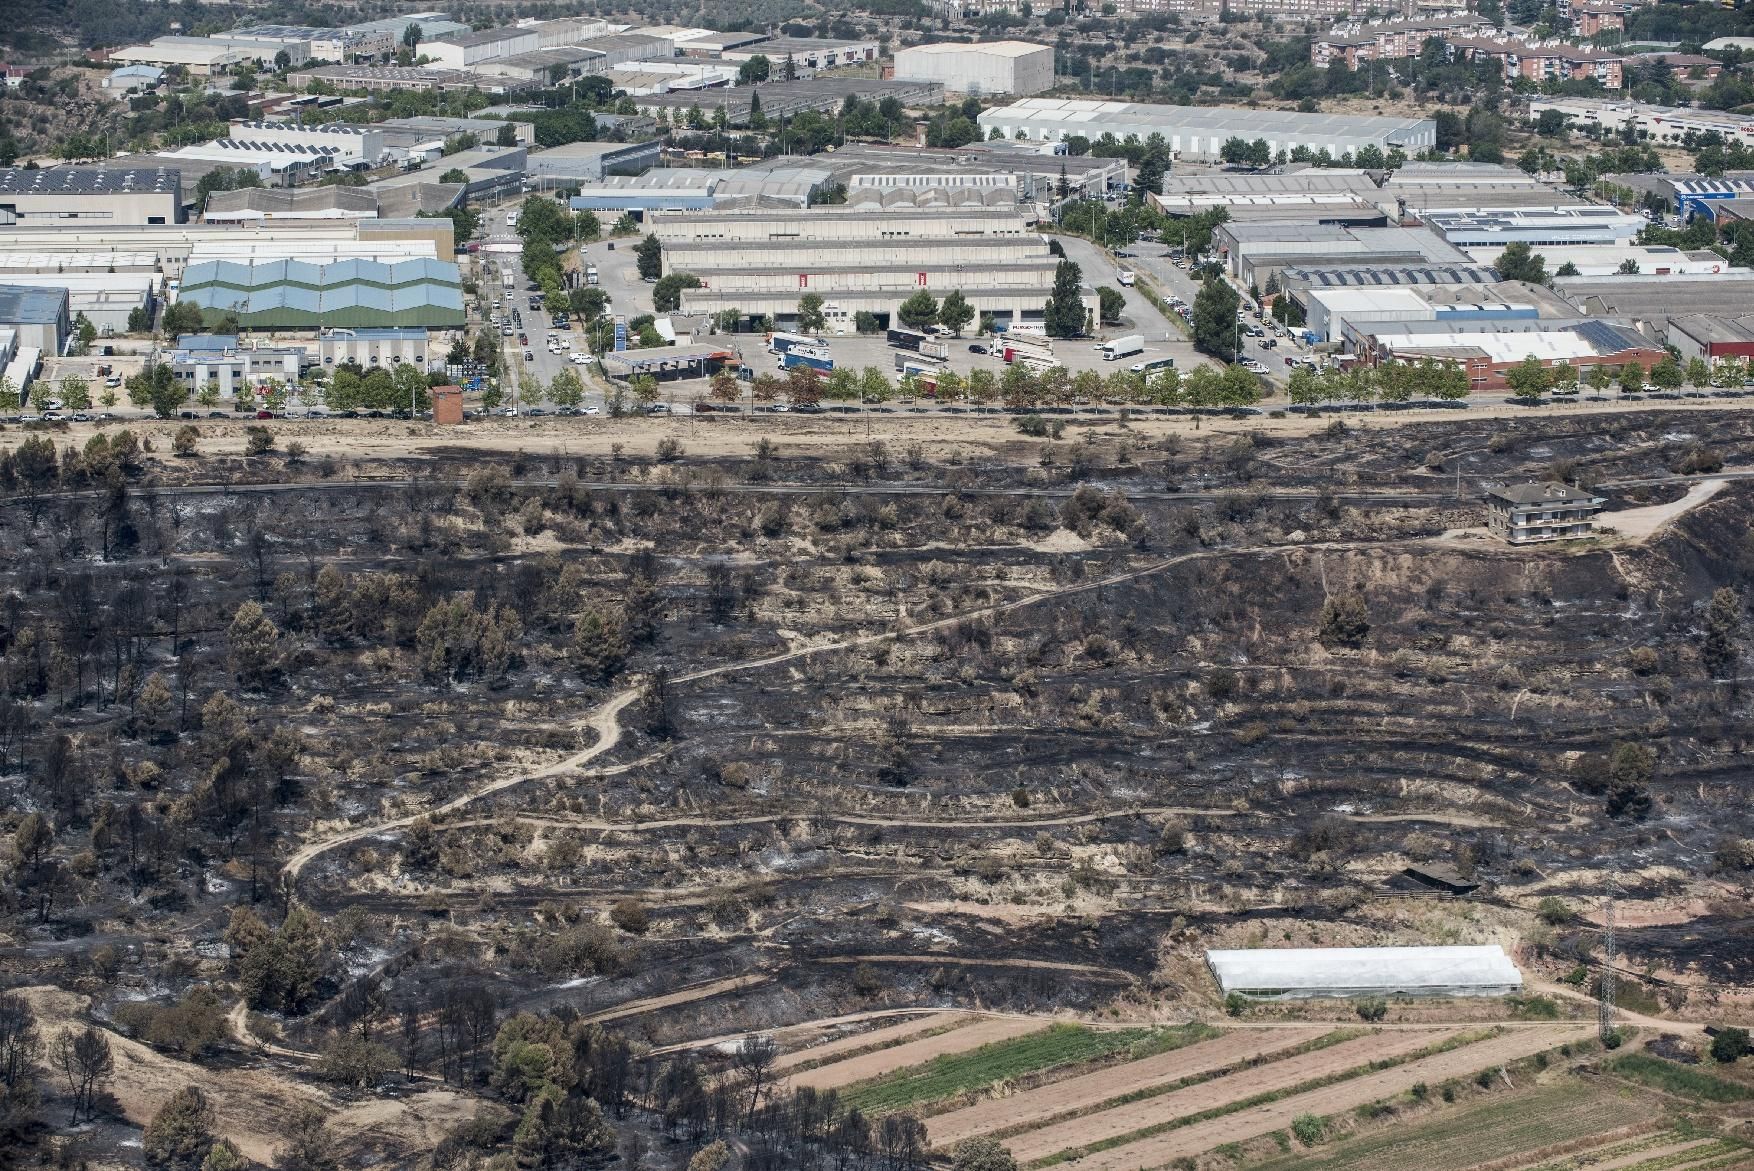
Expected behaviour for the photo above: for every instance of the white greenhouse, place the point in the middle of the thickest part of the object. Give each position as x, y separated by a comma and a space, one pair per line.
1308, 973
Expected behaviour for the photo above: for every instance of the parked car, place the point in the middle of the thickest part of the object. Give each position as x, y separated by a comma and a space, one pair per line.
658, 409
977, 348
264, 414
112, 382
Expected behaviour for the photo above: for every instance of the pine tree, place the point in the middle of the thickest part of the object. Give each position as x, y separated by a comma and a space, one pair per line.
1064, 313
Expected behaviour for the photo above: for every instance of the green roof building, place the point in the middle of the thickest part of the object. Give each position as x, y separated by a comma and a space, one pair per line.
350, 294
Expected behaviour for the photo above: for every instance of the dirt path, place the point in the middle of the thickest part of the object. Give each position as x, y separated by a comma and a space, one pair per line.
883, 1037
1624, 1016
239, 1020
1096, 970
1640, 524
1650, 1153
1192, 1140
870, 1065
684, 996
606, 721
253, 1106
872, 820
1092, 1089
1275, 1075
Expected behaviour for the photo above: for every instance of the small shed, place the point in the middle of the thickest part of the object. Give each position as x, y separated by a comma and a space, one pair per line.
1311, 973
1441, 876
447, 405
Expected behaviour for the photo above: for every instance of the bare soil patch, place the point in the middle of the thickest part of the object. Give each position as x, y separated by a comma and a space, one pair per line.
873, 1039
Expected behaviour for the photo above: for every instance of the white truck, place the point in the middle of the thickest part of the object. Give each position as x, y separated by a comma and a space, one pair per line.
590, 274
1125, 276
1123, 347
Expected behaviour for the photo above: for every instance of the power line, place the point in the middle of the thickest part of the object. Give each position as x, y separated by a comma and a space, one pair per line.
1605, 981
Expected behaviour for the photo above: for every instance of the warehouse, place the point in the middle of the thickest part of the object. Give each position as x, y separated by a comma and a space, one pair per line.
406, 132
384, 78
352, 294
461, 50
1489, 351
1256, 251
1712, 338
106, 299
203, 357
373, 347
675, 189
326, 44
660, 77
1198, 133
626, 48
258, 204
1537, 226
1607, 259
1307, 973
1659, 124
989, 67
430, 24
1657, 300
542, 66
782, 99
1341, 315
206, 56
40, 317
759, 263
587, 162
67, 195
807, 54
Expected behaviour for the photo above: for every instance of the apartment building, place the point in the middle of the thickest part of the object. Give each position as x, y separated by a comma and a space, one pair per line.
1389, 40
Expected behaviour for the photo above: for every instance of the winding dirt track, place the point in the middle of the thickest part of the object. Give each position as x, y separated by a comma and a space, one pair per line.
1092, 1089
606, 719
870, 1065
1275, 1075
1347, 1095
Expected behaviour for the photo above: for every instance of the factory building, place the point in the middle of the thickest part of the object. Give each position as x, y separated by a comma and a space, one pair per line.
582, 162
1712, 338
205, 56
327, 44
1309, 973
81, 195
859, 260
806, 54
782, 99
351, 294
1254, 252
1491, 350
431, 25
41, 318
1330, 312
106, 299
1542, 227
1015, 68
384, 78
203, 357
374, 347
1198, 133
1657, 124
130, 78
462, 50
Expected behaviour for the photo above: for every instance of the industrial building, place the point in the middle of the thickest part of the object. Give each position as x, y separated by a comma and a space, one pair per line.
430, 24
130, 78
68, 195
806, 54
106, 299
1489, 352
1659, 124
1307, 973
1606, 259
659, 77
374, 347
169, 249
1015, 68
200, 358
1711, 338
1198, 133
352, 294
258, 204
205, 56
1543, 227
1318, 275
1254, 252
676, 189
406, 132
1656, 300
582, 162
41, 318
384, 78
760, 262
1330, 313
326, 44
782, 99
462, 50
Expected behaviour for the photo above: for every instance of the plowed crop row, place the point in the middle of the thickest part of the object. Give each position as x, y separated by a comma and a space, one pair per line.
1255, 1121
870, 1065
1093, 1089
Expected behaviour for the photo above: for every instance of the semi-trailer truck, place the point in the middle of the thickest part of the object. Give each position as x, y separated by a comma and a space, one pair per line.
816, 359
779, 343
1123, 347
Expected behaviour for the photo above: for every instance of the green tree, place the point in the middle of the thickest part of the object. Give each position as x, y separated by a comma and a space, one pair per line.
1698, 373
1063, 315
567, 389
1215, 309
1528, 379
1112, 303
157, 388
1666, 374
667, 293
1730, 1045
183, 317
757, 69
411, 391
1631, 378
955, 313
982, 1154
454, 175
1518, 263
181, 1133
810, 315
254, 644
308, 1146
919, 311
1631, 768
209, 394
650, 254
76, 393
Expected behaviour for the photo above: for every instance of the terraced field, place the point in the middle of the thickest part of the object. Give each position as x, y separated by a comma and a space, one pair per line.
1347, 1093
867, 1066
1105, 1087
1499, 1128
873, 1040
1662, 1150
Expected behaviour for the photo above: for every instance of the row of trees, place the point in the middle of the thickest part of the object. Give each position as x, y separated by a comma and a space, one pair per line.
1391, 382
